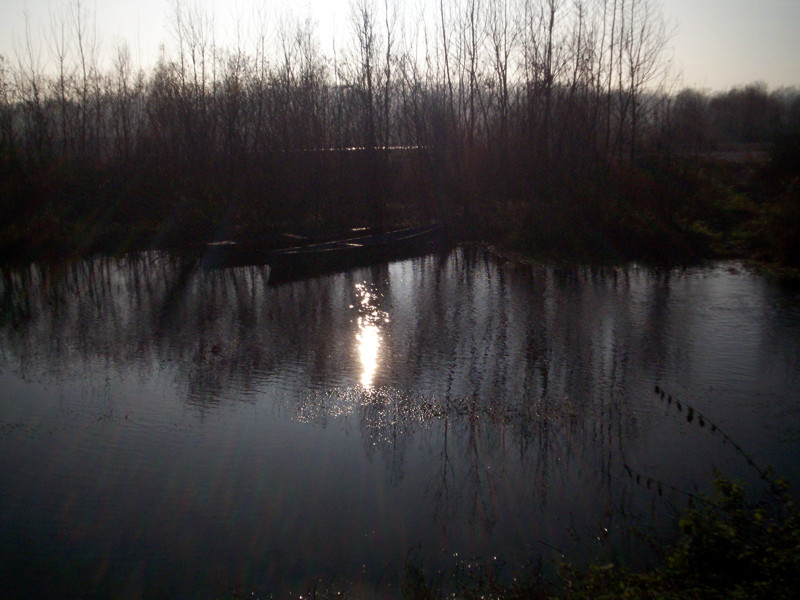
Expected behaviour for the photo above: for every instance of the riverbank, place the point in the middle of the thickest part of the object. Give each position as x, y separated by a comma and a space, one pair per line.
709, 207
666, 213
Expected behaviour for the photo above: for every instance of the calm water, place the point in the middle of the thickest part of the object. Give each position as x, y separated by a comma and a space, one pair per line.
166, 432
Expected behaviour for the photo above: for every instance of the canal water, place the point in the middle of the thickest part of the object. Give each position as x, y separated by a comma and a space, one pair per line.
175, 432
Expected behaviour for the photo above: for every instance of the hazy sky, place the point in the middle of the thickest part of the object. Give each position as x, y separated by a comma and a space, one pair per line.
717, 43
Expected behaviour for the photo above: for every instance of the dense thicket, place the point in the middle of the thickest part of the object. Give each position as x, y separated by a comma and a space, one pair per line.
546, 122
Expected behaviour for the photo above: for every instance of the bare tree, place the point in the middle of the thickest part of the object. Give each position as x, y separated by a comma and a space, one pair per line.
192, 29
503, 37
644, 44
59, 45
366, 82
88, 49
7, 135
30, 86
123, 97
390, 23
363, 15
469, 52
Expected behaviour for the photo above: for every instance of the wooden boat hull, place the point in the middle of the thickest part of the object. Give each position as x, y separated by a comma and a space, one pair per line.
299, 263
224, 254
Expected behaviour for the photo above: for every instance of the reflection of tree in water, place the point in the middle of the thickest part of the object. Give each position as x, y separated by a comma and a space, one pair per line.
506, 373
474, 449
222, 332
464, 326
149, 310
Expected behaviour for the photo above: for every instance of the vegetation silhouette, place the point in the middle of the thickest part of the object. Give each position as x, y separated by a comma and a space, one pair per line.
549, 127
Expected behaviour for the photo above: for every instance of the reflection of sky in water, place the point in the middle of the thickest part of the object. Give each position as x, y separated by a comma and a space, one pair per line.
369, 333
181, 432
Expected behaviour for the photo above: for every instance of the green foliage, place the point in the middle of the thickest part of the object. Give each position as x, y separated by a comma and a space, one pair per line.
747, 549
729, 547
777, 231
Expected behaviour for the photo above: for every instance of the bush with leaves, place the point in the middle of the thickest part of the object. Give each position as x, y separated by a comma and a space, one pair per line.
729, 547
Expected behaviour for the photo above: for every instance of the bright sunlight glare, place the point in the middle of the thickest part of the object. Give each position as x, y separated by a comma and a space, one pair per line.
369, 342
368, 337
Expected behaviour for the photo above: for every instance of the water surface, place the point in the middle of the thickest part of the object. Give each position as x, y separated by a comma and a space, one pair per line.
172, 432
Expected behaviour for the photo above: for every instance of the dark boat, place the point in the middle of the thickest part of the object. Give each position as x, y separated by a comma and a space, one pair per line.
316, 259
229, 253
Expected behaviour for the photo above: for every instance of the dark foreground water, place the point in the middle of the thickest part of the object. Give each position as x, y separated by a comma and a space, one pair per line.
166, 432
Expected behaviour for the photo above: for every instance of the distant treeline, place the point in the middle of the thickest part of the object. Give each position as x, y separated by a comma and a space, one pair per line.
703, 122
547, 124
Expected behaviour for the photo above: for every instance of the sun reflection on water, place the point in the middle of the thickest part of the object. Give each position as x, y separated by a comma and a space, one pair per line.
368, 336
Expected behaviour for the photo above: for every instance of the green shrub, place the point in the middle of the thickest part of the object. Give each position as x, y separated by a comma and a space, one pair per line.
729, 547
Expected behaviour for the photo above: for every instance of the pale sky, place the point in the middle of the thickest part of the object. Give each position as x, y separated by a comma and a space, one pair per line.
717, 44
723, 43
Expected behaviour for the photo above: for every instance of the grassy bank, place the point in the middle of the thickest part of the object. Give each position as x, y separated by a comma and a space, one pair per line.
737, 205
